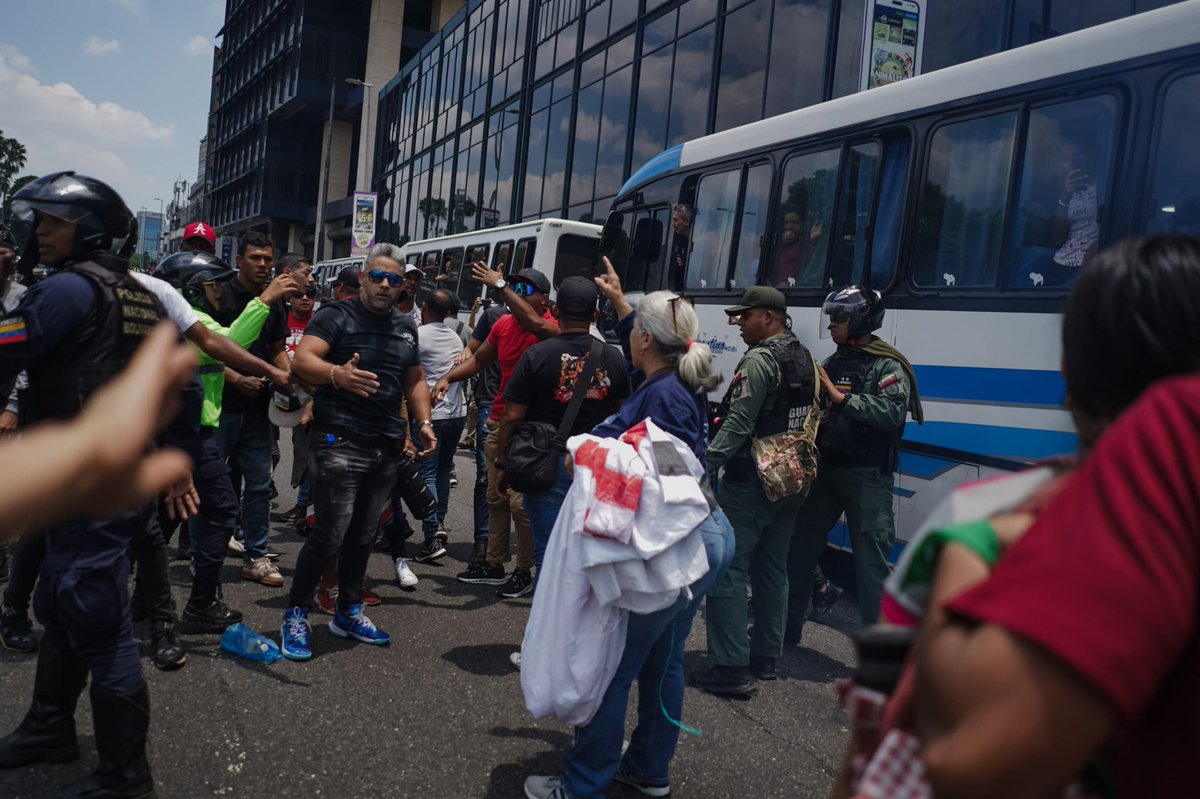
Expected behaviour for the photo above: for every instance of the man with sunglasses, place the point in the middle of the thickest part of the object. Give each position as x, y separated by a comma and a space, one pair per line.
871, 389
771, 392
527, 295
362, 356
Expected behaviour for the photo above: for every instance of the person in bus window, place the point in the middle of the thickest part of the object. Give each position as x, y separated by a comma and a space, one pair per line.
682, 216
794, 261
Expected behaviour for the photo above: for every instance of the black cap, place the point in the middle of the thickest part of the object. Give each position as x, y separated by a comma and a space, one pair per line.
533, 277
577, 298
348, 277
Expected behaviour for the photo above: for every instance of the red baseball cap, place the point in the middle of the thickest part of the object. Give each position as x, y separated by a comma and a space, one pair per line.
201, 231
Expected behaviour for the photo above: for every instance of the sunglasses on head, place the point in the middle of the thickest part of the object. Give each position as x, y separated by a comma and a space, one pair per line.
377, 276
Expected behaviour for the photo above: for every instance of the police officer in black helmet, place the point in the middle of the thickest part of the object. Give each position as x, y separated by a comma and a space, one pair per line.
72, 333
871, 389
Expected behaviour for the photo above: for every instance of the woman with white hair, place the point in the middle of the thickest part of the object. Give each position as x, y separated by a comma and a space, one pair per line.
679, 372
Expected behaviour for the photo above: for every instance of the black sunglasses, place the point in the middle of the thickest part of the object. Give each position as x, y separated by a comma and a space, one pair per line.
311, 291
377, 276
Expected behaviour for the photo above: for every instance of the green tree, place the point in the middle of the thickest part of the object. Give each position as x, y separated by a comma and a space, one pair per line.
12, 161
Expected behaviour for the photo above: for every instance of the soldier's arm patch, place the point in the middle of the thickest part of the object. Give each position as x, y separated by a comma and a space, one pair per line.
14, 328
889, 379
739, 389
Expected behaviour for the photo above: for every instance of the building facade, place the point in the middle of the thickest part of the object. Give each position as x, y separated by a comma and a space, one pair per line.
520, 109
150, 230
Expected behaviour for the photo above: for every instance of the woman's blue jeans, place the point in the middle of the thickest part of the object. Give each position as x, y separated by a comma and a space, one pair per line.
654, 655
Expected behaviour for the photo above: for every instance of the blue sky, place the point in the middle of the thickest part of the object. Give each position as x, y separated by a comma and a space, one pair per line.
117, 89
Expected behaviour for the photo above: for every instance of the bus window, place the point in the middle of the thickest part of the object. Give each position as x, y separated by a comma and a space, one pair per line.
889, 214
523, 258
712, 230
429, 266
576, 255
962, 203
1175, 192
806, 219
450, 271
468, 287
854, 213
647, 250
747, 260
502, 258
1064, 186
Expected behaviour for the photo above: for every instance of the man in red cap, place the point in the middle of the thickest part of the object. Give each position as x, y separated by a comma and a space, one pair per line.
199, 237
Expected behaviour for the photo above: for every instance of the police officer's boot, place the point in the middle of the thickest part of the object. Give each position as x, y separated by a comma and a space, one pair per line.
48, 731
122, 723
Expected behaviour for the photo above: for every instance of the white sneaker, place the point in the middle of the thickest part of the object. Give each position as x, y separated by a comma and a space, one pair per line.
235, 547
515, 660
408, 580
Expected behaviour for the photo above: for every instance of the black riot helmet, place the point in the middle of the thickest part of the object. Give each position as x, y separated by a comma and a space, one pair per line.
859, 305
193, 290
103, 223
178, 268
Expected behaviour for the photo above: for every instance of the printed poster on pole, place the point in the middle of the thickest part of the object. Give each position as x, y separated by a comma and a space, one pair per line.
362, 227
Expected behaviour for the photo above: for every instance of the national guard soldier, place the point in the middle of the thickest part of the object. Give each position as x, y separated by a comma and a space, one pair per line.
771, 392
871, 389
72, 333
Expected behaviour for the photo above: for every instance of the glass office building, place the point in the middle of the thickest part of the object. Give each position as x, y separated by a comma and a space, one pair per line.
519, 109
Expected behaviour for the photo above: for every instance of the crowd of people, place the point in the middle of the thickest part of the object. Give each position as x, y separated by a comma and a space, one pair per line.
1014, 684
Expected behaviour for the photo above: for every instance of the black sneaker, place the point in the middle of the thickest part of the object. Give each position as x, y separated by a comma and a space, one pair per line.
518, 585
762, 667
641, 786
169, 652
479, 552
726, 681
215, 614
430, 550
482, 574
824, 600
16, 632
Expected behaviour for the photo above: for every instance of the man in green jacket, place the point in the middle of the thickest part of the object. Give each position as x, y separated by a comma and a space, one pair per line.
871, 389
771, 392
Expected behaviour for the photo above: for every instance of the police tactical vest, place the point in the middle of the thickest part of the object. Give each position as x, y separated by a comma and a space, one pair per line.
844, 441
122, 315
785, 411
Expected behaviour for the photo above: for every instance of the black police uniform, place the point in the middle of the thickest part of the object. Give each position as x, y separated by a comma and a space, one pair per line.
72, 333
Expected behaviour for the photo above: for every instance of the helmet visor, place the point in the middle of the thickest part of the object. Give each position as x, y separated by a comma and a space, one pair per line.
28, 210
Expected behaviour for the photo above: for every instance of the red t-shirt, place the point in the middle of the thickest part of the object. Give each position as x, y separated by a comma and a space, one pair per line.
510, 340
296, 327
1108, 581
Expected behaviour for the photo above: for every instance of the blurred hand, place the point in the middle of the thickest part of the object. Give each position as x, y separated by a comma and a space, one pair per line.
8, 423
182, 500
250, 386
609, 283
430, 441
356, 381
486, 275
282, 286
439, 390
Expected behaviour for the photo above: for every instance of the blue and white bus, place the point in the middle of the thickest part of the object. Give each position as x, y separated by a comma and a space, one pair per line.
970, 197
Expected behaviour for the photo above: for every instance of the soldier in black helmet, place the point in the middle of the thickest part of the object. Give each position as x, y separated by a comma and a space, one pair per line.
72, 333
871, 389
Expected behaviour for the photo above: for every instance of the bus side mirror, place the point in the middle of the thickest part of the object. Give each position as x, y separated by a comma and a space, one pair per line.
613, 231
647, 240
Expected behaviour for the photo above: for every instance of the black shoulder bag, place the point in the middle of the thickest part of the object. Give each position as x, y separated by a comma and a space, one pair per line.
533, 447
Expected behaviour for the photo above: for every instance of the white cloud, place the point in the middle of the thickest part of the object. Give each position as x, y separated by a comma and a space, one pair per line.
63, 129
97, 46
198, 45
16, 59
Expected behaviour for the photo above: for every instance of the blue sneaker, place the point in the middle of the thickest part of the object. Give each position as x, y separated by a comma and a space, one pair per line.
293, 635
357, 626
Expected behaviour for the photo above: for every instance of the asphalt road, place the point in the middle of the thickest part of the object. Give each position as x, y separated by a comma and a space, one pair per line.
440, 712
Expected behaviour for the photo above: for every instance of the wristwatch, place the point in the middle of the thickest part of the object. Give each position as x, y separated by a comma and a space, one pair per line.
425, 422
500, 284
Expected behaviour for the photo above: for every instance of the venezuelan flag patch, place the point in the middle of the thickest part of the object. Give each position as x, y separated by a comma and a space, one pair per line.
888, 380
13, 329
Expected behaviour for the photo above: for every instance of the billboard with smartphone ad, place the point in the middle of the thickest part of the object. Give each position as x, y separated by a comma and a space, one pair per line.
892, 41
362, 224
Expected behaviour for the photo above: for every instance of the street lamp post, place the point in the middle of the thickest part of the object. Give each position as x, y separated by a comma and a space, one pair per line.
362, 181
161, 214
319, 246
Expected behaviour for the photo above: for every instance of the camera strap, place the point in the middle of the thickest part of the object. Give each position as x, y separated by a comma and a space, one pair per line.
590, 362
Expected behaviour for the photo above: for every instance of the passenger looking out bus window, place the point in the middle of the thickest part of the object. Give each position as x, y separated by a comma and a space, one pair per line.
713, 229
806, 207
1056, 230
682, 216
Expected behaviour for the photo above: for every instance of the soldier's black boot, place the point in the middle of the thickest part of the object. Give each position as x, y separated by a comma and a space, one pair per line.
47, 733
122, 723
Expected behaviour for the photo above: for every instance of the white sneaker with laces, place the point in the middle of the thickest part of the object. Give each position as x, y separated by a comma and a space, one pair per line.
541, 787
236, 547
404, 575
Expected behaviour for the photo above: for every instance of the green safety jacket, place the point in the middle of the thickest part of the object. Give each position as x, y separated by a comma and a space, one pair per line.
244, 331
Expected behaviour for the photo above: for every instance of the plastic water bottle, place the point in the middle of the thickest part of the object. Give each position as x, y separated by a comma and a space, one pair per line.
244, 642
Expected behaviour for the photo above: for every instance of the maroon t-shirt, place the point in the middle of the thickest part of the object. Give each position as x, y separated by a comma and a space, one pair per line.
1108, 581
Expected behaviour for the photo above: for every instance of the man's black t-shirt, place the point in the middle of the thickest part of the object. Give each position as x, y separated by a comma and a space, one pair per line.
234, 299
487, 382
545, 379
386, 345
